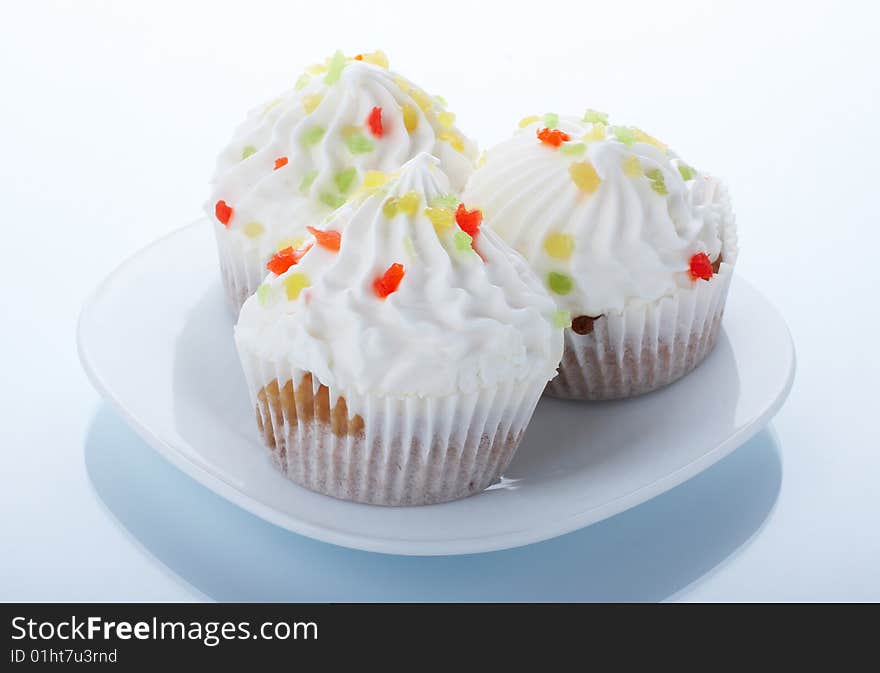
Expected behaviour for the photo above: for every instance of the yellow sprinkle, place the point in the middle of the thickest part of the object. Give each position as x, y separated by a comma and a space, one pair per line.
373, 179
253, 229
446, 118
643, 137
377, 57
272, 104
596, 133
408, 203
350, 130
456, 142
410, 117
295, 243
559, 246
441, 218
585, 176
311, 101
422, 99
482, 160
632, 167
389, 208
526, 121
316, 69
296, 283
402, 84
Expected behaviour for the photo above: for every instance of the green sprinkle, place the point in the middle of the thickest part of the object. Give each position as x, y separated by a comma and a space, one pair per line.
561, 319
302, 81
658, 184
312, 136
332, 200
551, 120
344, 179
572, 149
334, 70
445, 201
624, 134
463, 241
359, 144
559, 282
441, 100
687, 173
307, 180
248, 151
596, 117
263, 293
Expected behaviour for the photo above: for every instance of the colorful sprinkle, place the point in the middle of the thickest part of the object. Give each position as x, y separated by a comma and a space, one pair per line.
658, 183
327, 238
248, 151
446, 118
408, 204
302, 82
332, 200
374, 122
410, 117
594, 116
573, 149
453, 139
441, 218
422, 99
482, 160
528, 121
307, 180
312, 136
551, 120
643, 137
445, 201
624, 134
253, 229
316, 69
440, 100
345, 178
263, 293
223, 211
312, 101
595, 134
359, 144
687, 173
389, 281
296, 283
334, 68
374, 179
584, 175
389, 208
469, 220
632, 167
552, 137
700, 266
463, 241
559, 245
280, 162
282, 260
561, 319
559, 282
375, 58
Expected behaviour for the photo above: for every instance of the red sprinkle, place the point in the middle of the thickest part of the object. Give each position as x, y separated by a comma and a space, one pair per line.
284, 259
223, 212
374, 121
279, 162
553, 137
327, 239
469, 220
700, 266
388, 281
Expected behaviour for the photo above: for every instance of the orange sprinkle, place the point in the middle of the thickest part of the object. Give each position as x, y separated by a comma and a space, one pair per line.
279, 162
327, 239
553, 137
284, 259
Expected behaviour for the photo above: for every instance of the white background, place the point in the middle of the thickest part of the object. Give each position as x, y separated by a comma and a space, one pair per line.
112, 114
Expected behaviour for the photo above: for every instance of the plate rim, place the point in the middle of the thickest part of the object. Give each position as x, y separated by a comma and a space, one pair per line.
399, 546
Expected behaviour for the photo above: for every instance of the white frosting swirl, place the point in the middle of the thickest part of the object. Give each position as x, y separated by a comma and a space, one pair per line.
322, 131
623, 229
460, 320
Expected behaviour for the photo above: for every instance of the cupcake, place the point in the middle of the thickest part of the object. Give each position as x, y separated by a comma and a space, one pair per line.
300, 157
397, 358
636, 244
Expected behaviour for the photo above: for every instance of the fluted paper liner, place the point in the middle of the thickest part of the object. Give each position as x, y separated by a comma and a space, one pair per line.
240, 270
384, 450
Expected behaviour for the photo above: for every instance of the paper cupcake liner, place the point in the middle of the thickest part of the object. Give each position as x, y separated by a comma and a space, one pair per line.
240, 270
645, 347
382, 450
